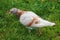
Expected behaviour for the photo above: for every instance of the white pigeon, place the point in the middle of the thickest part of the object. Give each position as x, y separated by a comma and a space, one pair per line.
30, 19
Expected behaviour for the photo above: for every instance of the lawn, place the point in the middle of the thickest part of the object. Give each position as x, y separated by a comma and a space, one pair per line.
12, 29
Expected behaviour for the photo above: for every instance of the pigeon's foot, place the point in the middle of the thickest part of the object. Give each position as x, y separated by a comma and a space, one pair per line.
39, 31
29, 31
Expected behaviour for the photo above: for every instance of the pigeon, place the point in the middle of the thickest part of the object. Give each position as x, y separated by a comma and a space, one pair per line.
30, 19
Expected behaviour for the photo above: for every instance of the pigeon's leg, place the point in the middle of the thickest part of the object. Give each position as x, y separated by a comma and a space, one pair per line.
29, 30
39, 31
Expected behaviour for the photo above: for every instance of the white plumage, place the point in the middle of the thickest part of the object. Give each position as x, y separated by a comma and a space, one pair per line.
27, 16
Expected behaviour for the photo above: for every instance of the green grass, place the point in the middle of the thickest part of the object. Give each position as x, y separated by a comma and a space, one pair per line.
12, 29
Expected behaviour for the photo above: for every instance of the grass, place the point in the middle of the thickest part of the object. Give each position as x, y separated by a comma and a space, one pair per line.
12, 29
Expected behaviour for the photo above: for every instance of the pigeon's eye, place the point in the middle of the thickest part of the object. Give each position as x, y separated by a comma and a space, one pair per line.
11, 11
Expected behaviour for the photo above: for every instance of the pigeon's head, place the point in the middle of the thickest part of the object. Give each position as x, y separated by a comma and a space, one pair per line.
16, 11
13, 10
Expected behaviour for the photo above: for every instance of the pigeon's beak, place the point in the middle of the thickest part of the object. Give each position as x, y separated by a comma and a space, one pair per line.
9, 12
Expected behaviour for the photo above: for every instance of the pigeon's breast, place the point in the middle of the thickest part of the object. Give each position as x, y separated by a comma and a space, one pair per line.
26, 18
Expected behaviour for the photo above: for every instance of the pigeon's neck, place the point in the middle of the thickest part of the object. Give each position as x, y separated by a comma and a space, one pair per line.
19, 13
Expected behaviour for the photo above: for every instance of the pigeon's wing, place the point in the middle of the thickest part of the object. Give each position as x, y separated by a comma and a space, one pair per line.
42, 23
25, 19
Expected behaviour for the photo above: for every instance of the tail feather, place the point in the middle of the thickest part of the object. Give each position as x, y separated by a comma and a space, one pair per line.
44, 23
